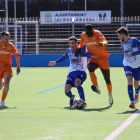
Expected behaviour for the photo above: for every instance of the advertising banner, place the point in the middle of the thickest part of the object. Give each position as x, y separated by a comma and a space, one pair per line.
62, 17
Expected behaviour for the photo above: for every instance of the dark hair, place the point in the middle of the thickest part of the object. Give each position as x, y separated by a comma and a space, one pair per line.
88, 27
4, 33
73, 38
122, 30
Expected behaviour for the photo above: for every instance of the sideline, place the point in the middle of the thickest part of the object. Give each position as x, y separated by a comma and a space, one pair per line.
63, 103
123, 126
59, 121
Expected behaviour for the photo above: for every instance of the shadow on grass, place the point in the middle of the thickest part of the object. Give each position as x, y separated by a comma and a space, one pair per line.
128, 112
97, 109
6, 107
71, 108
90, 109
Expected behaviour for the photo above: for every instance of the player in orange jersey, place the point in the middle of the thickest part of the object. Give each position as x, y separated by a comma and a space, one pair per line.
6, 48
95, 44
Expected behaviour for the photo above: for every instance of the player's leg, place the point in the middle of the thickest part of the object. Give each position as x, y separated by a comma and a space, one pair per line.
92, 67
69, 84
130, 91
1, 79
0, 84
106, 75
68, 90
3, 82
129, 72
80, 89
7, 79
69, 93
81, 77
136, 83
137, 88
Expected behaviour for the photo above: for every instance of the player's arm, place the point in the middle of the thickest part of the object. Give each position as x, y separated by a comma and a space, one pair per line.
103, 43
84, 61
18, 64
102, 40
82, 43
85, 53
16, 54
137, 44
129, 54
89, 55
78, 50
62, 58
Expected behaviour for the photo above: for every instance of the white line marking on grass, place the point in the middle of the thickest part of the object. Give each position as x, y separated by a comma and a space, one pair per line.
123, 126
63, 103
58, 121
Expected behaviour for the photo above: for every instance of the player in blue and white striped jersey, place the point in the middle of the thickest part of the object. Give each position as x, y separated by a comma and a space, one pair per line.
77, 68
131, 62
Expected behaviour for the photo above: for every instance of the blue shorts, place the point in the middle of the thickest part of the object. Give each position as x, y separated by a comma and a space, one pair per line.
135, 72
74, 75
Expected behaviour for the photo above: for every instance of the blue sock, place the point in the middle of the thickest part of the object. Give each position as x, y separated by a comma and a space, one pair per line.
137, 90
130, 92
81, 92
69, 94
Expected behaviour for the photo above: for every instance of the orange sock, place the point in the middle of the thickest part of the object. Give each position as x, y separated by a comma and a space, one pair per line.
93, 79
109, 87
4, 95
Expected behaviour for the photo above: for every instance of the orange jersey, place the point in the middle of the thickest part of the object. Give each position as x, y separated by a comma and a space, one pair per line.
5, 54
91, 44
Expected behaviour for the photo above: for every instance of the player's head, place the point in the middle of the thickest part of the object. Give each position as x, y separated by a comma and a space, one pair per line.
122, 33
73, 42
89, 30
5, 36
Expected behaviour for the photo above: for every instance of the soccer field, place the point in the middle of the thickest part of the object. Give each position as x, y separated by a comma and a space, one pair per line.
37, 108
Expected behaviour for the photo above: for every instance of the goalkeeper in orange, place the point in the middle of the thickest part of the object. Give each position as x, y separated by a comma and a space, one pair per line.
95, 44
6, 48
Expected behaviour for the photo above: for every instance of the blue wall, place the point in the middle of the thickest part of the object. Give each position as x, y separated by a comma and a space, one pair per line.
42, 60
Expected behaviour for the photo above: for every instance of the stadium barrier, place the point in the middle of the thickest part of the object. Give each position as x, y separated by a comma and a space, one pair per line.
42, 60
53, 38
50, 41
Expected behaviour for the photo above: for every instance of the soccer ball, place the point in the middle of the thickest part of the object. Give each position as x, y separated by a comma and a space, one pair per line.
78, 103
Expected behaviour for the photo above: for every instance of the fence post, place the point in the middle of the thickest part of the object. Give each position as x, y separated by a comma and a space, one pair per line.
72, 26
37, 45
6, 16
122, 13
16, 34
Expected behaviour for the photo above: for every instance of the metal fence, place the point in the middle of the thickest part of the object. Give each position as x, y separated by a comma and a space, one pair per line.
53, 38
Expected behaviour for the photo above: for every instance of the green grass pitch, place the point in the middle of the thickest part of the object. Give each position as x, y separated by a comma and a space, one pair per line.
47, 116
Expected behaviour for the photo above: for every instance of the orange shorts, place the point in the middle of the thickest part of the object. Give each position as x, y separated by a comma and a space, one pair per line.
4, 71
103, 63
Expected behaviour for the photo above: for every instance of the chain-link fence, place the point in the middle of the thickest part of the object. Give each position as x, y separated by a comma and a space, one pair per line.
53, 38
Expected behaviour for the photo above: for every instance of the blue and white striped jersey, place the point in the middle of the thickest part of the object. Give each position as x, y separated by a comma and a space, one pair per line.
131, 45
76, 63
